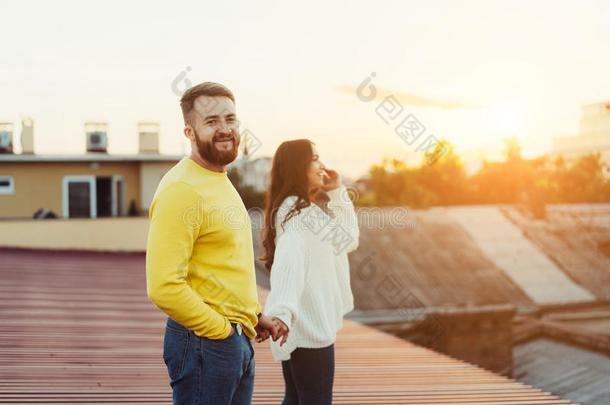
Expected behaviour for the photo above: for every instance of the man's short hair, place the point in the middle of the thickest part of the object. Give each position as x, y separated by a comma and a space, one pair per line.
209, 89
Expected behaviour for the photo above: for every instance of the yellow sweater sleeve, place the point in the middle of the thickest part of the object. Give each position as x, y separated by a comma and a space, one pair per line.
175, 220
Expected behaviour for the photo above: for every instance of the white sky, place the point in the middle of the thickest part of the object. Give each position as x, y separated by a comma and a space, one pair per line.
529, 66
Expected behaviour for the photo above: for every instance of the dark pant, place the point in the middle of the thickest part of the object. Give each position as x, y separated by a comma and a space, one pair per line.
309, 376
208, 372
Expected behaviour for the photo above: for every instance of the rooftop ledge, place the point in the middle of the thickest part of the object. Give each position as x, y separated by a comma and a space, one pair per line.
87, 157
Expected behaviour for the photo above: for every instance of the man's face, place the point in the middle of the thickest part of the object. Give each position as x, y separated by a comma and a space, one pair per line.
216, 132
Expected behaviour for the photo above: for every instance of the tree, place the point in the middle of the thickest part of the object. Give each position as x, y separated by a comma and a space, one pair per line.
440, 180
533, 183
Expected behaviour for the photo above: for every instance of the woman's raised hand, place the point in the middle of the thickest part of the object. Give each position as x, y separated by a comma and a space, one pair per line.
332, 180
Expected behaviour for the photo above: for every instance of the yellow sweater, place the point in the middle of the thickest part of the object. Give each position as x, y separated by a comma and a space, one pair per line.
199, 257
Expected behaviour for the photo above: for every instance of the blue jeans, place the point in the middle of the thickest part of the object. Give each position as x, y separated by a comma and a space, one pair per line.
309, 376
208, 372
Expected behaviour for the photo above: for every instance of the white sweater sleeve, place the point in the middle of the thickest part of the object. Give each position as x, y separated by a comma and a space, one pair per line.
344, 280
345, 215
287, 277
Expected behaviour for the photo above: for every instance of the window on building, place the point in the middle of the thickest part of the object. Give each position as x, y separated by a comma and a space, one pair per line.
7, 185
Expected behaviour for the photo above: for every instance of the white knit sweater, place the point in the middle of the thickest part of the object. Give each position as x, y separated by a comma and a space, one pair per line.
310, 278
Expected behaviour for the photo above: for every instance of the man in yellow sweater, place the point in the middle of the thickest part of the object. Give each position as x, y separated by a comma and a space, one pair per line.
200, 261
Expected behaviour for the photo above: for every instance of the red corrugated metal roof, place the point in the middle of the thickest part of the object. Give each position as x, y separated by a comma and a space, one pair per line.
77, 328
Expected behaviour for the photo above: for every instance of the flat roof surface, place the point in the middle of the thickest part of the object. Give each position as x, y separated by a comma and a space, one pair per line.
574, 237
77, 327
568, 370
426, 258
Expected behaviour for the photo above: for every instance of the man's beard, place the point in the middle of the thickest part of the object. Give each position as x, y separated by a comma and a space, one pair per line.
209, 152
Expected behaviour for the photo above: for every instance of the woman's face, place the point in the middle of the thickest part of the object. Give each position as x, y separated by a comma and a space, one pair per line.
315, 171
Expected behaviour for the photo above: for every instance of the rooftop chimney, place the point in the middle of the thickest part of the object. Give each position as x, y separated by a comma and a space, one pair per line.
148, 133
97, 136
6, 137
27, 136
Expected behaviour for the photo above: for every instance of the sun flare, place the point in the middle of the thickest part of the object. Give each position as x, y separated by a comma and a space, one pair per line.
503, 119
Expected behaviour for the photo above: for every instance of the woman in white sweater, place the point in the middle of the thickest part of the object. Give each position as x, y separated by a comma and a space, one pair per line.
310, 226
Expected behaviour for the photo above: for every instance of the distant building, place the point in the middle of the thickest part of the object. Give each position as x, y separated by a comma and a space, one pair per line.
593, 137
253, 173
91, 185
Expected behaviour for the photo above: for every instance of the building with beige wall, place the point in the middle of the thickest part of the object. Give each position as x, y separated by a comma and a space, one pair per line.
94, 184
593, 135
79, 186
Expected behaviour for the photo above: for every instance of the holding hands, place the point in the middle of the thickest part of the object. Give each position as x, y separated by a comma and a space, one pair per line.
273, 327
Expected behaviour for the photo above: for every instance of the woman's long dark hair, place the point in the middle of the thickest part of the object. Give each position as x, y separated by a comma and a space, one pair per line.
288, 178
